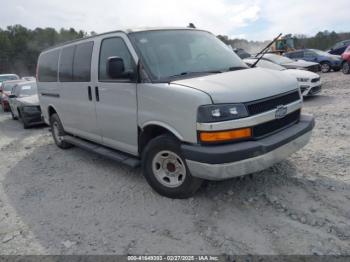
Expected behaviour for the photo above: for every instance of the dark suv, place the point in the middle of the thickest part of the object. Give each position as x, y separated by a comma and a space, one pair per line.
327, 61
339, 47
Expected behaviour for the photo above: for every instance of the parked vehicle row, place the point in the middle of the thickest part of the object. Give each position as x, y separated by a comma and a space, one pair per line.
327, 61
20, 97
291, 64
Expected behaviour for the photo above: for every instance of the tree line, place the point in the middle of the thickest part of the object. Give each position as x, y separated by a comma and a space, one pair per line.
20, 46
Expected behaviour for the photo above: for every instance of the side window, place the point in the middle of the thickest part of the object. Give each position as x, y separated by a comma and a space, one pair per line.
291, 55
82, 62
66, 64
114, 47
309, 54
48, 65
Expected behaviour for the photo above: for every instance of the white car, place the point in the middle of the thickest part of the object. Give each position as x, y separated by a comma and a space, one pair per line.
309, 82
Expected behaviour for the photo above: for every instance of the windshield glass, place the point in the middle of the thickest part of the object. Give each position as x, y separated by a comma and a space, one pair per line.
174, 53
278, 59
264, 64
8, 77
8, 87
319, 52
27, 90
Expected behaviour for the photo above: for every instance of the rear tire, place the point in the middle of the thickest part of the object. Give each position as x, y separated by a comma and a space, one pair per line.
346, 68
325, 67
58, 132
166, 170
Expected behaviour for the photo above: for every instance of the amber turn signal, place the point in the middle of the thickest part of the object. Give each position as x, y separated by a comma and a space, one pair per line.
228, 135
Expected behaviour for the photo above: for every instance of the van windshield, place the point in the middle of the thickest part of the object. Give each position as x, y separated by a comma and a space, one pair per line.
170, 54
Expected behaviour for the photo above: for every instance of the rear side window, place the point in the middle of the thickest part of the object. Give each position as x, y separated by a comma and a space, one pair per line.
114, 47
82, 62
48, 65
66, 64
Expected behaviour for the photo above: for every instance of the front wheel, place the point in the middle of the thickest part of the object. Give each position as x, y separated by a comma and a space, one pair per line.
165, 168
346, 68
325, 67
58, 132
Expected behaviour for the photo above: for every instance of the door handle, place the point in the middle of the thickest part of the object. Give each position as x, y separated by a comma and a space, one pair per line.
89, 93
97, 94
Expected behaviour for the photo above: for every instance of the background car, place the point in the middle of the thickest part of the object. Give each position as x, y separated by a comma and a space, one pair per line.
5, 91
346, 61
6, 77
29, 78
24, 104
291, 64
326, 60
309, 82
339, 47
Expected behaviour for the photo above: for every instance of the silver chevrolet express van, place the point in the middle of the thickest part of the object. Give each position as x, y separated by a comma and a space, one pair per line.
175, 100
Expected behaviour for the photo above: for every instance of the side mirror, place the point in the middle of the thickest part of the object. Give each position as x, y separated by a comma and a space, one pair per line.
115, 67
12, 96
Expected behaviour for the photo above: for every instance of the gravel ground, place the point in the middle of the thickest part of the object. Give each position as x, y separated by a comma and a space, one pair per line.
74, 202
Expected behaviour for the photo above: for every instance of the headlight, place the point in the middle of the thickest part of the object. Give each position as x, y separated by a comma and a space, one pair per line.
301, 79
222, 112
30, 109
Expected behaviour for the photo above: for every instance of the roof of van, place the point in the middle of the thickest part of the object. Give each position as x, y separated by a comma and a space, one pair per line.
126, 31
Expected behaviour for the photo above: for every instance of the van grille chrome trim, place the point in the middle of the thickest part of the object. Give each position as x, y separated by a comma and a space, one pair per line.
276, 125
269, 103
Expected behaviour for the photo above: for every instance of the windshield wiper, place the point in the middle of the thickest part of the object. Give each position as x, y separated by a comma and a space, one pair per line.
234, 68
196, 73
264, 51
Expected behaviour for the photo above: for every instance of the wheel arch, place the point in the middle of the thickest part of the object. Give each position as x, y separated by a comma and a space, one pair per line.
150, 130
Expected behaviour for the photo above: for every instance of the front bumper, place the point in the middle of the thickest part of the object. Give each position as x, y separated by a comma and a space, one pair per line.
312, 89
32, 118
232, 160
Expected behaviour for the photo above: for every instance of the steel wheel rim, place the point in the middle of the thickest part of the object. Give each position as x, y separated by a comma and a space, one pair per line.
56, 132
325, 68
169, 169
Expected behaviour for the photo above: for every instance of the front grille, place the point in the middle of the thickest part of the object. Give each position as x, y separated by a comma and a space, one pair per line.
267, 104
303, 88
275, 125
314, 68
314, 80
315, 89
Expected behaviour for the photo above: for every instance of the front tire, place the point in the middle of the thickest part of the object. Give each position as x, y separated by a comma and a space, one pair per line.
325, 67
165, 168
58, 132
346, 68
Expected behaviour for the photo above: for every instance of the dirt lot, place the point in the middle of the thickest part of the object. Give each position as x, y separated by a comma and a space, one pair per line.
74, 202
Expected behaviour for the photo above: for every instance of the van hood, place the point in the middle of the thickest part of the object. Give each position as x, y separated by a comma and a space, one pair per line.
29, 100
242, 85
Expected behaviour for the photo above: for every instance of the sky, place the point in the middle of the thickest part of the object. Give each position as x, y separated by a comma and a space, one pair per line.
248, 19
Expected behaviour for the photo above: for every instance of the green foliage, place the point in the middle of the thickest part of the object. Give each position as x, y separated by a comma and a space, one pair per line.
20, 47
